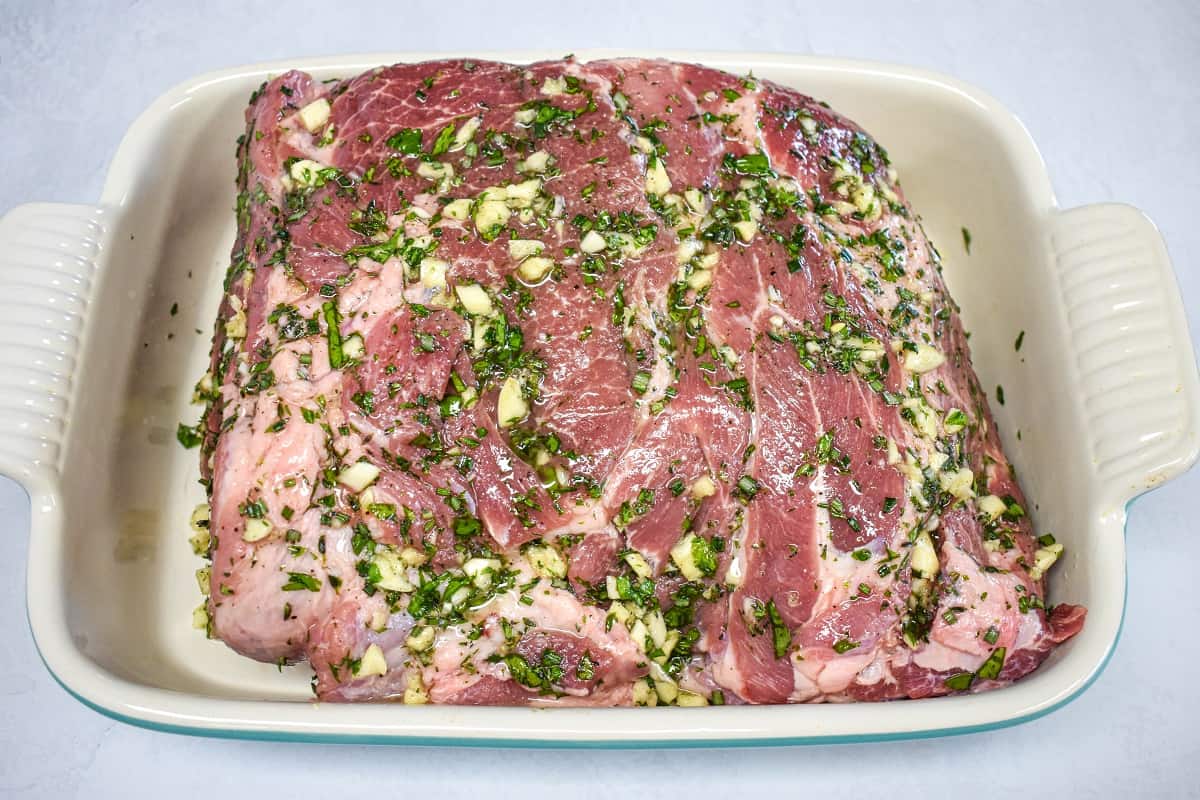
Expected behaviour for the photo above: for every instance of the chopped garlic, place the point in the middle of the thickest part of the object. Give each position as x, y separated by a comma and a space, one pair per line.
204, 580
200, 617
924, 560
435, 170
235, 326
306, 172
643, 695
924, 418
657, 181
700, 279
465, 133
421, 639
683, 557
314, 115
490, 214
359, 475
554, 86
637, 563
393, 573
991, 506
521, 249
667, 692
372, 663
535, 162
546, 561
256, 529
1044, 559
534, 268
593, 242
414, 694
511, 407
353, 347
703, 487
457, 209
639, 634
413, 557
924, 359
200, 538
474, 299
433, 273
958, 483
686, 249
520, 195
481, 570
746, 229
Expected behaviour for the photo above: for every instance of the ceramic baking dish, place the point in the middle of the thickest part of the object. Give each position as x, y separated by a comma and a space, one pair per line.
105, 315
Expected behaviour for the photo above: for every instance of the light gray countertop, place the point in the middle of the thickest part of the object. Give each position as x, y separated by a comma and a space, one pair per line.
1109, 92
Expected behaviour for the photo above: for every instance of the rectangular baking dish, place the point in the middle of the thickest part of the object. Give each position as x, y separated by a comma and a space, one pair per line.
106, 311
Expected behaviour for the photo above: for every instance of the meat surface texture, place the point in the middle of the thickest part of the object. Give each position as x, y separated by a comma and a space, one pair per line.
609, 383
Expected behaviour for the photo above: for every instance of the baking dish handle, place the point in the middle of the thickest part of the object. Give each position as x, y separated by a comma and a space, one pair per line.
1133, 356
49, 254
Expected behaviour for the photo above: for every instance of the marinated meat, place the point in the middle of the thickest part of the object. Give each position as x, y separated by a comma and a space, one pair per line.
626, 382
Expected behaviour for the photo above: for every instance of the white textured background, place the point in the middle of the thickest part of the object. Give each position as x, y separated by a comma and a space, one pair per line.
1110, 93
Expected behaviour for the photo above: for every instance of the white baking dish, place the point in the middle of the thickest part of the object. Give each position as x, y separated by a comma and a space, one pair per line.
95, 372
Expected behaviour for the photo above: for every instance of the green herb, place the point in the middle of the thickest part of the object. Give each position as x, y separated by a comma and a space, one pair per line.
991, 635
585, 670
254, 510
990, 670
300, 581
330, 312
962, 681
629, 511
999, 394
703, 555
548, 671
749, 164
861, 554
641, 382
443, 141
190, 435
781, 637
383, 511
362, 541
1020, 339
365, 401
407, 141
966, 236
957, 418
747, 487
368, 221
844, 646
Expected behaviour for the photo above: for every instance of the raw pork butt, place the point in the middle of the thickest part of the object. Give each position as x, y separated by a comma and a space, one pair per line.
627, 382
